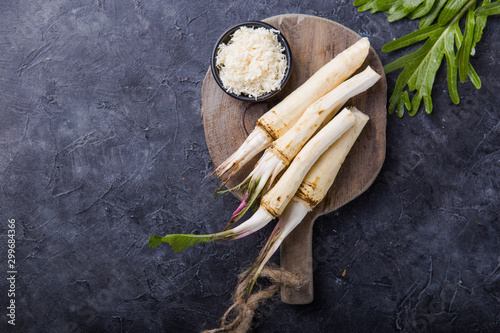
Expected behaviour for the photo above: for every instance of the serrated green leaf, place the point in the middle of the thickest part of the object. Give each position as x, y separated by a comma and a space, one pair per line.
465, 48
358, 3
429, 19
419, 74
415, 104
480, 25
424, 78
399, 98
403, 61
491, 9
428, 104
403, 8
412, 38
458, 35
422, 10
401, 109
474, 78
449, 11
377, 5
396, 103
406, 100
451, 67
439, 28
412, 58
401, 101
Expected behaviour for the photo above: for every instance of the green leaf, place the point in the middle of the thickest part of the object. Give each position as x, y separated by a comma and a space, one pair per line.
449, 11
491, 9
443, 38
420, 71
458, 35
399, 98
375, 5
412, 38
422, 10
403, 8
424, 76
428, 104
476, 81
180, 242
154, 241
409, 59
480, 25
451, 68
406, 100
358, 3
465, 49
427, 69
428, 19
400, 101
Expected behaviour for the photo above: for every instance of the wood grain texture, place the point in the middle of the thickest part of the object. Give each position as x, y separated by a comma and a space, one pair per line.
227, 122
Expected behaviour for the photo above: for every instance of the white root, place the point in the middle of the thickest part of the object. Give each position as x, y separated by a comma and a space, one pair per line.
313, 189
274, 123
320, 112
322, 174
282, 192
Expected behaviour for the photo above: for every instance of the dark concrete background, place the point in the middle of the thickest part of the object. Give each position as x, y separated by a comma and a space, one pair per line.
102, 145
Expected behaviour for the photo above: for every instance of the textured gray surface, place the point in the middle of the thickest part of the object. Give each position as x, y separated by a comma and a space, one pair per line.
102, 145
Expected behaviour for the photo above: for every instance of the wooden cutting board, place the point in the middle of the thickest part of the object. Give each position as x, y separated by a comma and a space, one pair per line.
227, 122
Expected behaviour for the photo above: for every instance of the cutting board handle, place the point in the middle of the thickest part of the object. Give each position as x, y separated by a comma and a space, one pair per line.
296, 257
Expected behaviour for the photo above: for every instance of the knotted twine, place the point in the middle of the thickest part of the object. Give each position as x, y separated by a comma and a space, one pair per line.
244, 308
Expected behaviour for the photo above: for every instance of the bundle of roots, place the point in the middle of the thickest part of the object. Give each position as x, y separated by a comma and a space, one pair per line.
238, 318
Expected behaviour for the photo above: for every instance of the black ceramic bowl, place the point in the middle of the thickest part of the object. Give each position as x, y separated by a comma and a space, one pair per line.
227, 36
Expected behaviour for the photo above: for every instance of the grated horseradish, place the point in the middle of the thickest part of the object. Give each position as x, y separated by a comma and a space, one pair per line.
252, 63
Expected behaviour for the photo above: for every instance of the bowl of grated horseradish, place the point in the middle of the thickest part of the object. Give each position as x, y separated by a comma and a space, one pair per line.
251, 61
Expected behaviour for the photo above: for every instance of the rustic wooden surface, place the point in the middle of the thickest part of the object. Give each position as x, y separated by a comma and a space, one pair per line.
227, 122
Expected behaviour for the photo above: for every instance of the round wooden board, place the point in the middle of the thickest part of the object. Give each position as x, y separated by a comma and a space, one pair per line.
314, 41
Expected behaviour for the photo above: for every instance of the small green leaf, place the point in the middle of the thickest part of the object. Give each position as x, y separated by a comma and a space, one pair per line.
154, 241
377, 5
422, 10
465, 49
358, 3
428, 104
458, 35
449, 11
412, 58
401, 107
423, 79
402, 102
395, 103
406, 100
429, 19
451, 68
404, 8
474, 78
480, 25
180, 242
399, 98
415, 104
412, 38
491, 9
